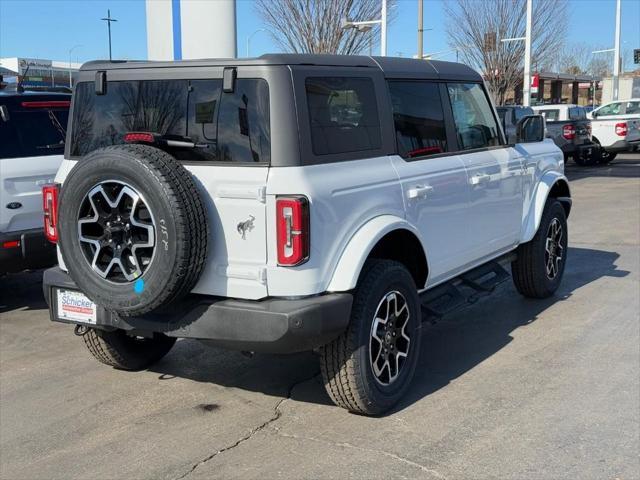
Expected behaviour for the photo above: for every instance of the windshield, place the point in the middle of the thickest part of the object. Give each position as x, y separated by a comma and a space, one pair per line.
224, 127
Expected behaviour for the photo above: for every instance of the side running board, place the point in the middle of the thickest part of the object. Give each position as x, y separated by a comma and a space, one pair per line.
463, 290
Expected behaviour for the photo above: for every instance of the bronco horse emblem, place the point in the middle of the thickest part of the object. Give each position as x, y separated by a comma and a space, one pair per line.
246, 226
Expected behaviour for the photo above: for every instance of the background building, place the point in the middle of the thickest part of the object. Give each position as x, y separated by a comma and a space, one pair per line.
38, 72
187, 29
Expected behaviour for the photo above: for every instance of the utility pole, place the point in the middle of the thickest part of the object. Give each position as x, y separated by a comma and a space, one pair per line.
526, 88
109, 20
616, 55
420, 28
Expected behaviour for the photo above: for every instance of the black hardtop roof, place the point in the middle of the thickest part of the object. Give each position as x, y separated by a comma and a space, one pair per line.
391, 66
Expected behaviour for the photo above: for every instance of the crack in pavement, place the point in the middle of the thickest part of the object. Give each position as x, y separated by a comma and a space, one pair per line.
277, 414
392, 455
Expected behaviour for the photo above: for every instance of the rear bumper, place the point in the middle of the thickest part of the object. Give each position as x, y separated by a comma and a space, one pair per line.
272, 325
25, 249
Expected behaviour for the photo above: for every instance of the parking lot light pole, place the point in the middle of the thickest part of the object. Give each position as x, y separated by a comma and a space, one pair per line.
346, 23
70, 51
606, 50
616, 59
526, 90
251, 36
526, 87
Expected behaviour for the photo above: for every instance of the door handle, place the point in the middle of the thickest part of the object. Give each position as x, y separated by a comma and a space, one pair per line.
419, 191
480, 178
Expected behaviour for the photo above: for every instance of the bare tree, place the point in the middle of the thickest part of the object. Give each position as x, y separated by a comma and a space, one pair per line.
577, 59
475, 29
314, 26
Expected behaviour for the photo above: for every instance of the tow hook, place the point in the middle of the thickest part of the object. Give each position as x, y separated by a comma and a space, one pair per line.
80, 330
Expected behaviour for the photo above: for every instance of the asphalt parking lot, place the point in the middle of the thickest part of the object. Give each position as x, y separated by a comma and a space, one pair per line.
507, 388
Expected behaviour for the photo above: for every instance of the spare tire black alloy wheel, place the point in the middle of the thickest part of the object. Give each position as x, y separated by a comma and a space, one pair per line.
133, 231
116, 231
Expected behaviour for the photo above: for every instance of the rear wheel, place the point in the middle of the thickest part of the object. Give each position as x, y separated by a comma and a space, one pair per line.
125, 352
370, 366
539, 266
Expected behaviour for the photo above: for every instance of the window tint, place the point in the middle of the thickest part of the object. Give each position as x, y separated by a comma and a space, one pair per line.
343, 114
229, 127
33, 132
550, 115
418, 118
475, 124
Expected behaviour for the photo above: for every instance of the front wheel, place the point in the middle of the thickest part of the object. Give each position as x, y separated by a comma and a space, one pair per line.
539, 266
370, 366
126, 352
606, 157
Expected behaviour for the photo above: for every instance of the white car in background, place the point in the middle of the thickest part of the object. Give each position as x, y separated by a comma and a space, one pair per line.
616, 127
32, 133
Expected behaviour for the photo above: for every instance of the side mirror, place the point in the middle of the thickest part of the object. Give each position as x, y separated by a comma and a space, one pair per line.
594, 113
530, 129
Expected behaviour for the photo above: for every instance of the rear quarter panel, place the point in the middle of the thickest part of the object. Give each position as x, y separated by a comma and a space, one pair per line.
343, 196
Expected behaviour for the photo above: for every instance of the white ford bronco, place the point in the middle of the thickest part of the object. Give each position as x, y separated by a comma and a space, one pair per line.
293, 203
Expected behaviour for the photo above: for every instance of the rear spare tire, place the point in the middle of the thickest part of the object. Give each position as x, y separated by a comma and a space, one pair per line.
133, 232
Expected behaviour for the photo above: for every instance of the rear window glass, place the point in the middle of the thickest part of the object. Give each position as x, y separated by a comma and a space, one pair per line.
343, 114
224, 127
33, 132
418, 118
577, 113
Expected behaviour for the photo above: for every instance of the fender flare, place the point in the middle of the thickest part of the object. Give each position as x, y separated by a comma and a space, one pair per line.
345, 275
532, 220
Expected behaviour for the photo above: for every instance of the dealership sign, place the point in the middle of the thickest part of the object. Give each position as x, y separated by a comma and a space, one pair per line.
33, 64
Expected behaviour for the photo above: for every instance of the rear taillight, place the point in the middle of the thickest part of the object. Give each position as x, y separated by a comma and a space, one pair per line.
621, 129
292, 229
50, 207
569, 132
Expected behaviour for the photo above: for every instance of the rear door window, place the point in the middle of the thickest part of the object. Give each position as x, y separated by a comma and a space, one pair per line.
33, 131
225, 127
476, 126
343, 114
418, 118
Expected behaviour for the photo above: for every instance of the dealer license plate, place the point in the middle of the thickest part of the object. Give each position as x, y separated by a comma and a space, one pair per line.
76, 306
